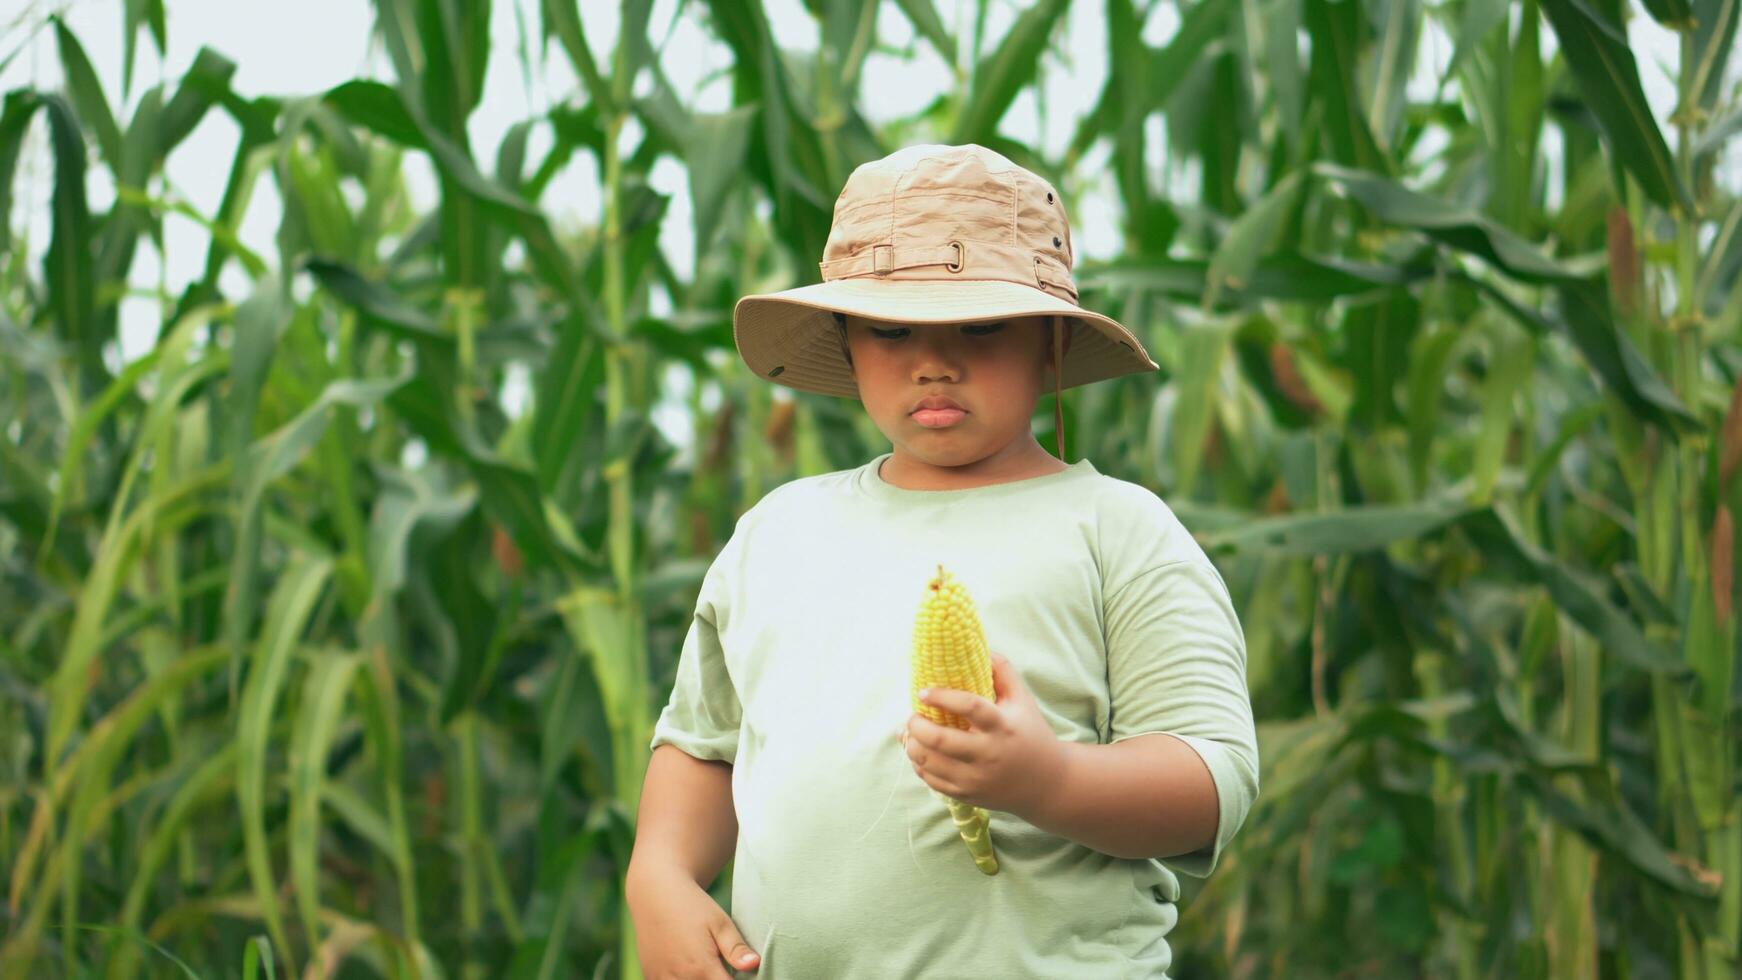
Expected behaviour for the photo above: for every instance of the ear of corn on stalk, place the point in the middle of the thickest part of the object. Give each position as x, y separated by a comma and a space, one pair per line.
949, 650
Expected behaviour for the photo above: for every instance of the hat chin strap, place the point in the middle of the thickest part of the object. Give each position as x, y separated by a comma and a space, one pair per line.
1058, 370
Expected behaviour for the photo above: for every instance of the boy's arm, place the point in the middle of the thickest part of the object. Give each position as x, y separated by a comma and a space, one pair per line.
1176, 666
686, 824
1145, 797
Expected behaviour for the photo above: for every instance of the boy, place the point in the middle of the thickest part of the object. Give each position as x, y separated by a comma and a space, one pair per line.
1122, 733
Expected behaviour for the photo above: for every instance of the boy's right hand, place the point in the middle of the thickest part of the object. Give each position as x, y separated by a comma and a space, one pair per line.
681, 933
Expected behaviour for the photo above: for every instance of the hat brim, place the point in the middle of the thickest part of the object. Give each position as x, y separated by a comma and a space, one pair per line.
789, 337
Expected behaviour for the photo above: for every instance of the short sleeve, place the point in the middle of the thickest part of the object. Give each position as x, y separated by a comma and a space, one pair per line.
1176, 664
703, 714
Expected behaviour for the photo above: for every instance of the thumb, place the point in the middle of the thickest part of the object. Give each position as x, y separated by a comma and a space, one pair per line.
732, 945
1004, 675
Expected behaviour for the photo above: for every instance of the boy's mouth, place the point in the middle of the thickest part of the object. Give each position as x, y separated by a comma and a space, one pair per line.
938, 418
937, 412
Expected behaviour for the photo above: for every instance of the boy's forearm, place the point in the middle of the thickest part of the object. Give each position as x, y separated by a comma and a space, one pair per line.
1146, 797
686, 821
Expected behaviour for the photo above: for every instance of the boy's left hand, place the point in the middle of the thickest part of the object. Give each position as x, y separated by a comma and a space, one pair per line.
1007, 760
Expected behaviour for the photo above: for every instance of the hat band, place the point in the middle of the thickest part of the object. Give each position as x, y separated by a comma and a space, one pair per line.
972, 260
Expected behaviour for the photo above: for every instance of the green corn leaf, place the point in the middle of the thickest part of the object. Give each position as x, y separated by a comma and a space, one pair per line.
1006, 71
86, 772
377, 108
325, 689
287, 614
1602, 63
118, 237
83, 431
562, 18
1187, 425
377, 303
716, 151
1676, 15
360, 815
382, 719
1479, 17
207, 83
1507, 551
313, 195
87, 94
1519, 112
214, 779
1284, 275
1572, 426
1717, 134
566, 391
571, 721
1251, 236
1614, 829
1718, 275
1395, 47
69, 262
266, 461
410, 500
472, 627
926, 23
1585, 321
1202, 25
20, 105
1510, 365
1430, 356
1714, 44
118, 547
259, 324
1379, 337
137, 14
1129, 58
1338, 30
788, 157
1458, 227
849, 30
1350, 529
607, 640
511, 155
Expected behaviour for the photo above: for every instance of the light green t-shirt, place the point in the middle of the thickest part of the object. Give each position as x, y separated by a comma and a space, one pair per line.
796, 669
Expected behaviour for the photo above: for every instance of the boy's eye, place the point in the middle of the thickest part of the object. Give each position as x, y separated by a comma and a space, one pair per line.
972, 330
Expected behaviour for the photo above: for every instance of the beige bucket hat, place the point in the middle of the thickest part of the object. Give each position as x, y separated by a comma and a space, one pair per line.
934, 234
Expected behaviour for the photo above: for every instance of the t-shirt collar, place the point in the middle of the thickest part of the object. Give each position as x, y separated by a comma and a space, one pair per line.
875, 486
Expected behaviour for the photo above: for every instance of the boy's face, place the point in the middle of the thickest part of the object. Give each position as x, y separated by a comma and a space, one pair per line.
994, 371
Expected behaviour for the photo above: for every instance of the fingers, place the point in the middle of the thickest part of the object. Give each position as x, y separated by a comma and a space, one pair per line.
944, 757
936, 767
925, 739
733, 948
979, 712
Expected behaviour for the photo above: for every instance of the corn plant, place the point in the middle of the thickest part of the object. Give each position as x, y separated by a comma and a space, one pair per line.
318, 653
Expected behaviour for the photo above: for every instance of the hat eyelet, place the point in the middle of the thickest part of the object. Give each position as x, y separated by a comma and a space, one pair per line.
961, 253
1057, 242
1049, 197
777, 371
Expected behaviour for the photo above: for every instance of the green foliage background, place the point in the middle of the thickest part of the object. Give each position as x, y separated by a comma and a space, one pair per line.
1466, 458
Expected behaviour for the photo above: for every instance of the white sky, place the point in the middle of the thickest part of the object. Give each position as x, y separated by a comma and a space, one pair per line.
296, 49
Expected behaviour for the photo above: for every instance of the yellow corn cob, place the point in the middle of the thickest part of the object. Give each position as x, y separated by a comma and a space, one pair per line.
949, 650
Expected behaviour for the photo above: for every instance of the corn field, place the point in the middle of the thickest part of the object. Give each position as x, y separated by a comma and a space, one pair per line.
319, 655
